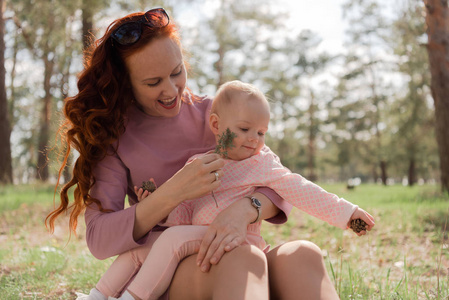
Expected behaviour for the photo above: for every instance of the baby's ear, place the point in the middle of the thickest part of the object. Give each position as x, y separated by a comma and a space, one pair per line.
213, 123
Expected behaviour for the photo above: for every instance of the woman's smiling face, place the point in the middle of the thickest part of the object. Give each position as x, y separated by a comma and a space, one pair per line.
158, 77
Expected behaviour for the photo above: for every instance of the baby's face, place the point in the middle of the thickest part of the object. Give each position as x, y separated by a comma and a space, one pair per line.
248, 119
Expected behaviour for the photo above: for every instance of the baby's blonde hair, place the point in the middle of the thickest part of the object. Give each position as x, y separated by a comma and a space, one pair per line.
232, 89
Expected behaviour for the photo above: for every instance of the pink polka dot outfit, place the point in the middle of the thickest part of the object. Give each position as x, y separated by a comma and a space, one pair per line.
264, 169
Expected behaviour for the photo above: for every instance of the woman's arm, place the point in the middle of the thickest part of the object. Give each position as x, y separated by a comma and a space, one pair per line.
192, 181
112, 233
228, 230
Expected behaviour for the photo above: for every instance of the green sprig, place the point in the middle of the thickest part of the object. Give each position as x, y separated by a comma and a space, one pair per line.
225, 142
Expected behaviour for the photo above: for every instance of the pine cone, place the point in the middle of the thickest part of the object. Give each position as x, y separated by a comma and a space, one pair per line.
358, 225
148, 186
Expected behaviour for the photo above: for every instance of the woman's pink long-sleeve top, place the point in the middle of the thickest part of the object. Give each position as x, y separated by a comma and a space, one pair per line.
151, 147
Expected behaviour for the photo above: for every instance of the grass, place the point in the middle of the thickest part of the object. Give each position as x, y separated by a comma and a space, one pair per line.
33, 263
404, 257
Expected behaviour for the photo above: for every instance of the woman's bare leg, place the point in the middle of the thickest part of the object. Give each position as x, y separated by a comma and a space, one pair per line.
297, 271
240, 274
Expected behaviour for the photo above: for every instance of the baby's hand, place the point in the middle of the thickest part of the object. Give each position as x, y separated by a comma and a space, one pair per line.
143, 191
141, 194
363, 216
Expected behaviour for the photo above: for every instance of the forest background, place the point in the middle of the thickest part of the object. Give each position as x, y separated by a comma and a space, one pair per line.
375, 108
363, 111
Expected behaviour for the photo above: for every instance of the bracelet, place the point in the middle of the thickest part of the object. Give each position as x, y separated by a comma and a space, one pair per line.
257, 205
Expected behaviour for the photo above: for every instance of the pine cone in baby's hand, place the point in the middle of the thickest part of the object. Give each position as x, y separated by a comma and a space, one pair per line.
358, 225
148, 186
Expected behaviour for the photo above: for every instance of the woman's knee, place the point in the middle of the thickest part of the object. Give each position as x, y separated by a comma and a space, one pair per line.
245, 264
297, 268
246, 258
296, 252
242, 274
308, 249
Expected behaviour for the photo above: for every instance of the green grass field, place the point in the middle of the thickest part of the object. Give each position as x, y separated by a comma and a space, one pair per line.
404, 257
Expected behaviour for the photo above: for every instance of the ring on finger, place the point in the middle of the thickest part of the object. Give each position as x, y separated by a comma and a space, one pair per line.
216, 176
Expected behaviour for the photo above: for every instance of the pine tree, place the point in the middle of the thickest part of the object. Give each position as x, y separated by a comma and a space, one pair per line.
5, 126
437, 20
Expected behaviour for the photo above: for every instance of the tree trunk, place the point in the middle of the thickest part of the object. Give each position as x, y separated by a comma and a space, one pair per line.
64, 90
312, 136
411, 172
87, 24
374, 172
437, 20
5, 127
12, 99
383, 172
44, 134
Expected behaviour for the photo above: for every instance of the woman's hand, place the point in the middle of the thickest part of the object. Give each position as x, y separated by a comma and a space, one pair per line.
229, 228
195, 179
225, 233
361, 214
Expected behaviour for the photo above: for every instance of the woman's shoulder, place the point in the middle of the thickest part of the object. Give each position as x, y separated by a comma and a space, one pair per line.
196, 107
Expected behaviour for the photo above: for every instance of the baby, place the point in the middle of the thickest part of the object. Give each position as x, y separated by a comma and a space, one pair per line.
239, 119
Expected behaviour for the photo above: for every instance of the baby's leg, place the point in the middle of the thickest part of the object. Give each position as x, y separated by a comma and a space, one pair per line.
157, 271
124, 268
119, 274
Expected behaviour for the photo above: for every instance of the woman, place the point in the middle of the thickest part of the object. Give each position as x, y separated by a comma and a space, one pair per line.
133, 119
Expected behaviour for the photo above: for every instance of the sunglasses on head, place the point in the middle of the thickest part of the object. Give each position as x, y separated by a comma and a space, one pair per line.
130, 32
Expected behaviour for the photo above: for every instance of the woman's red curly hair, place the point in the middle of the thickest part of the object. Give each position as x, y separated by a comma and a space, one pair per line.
95, 117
